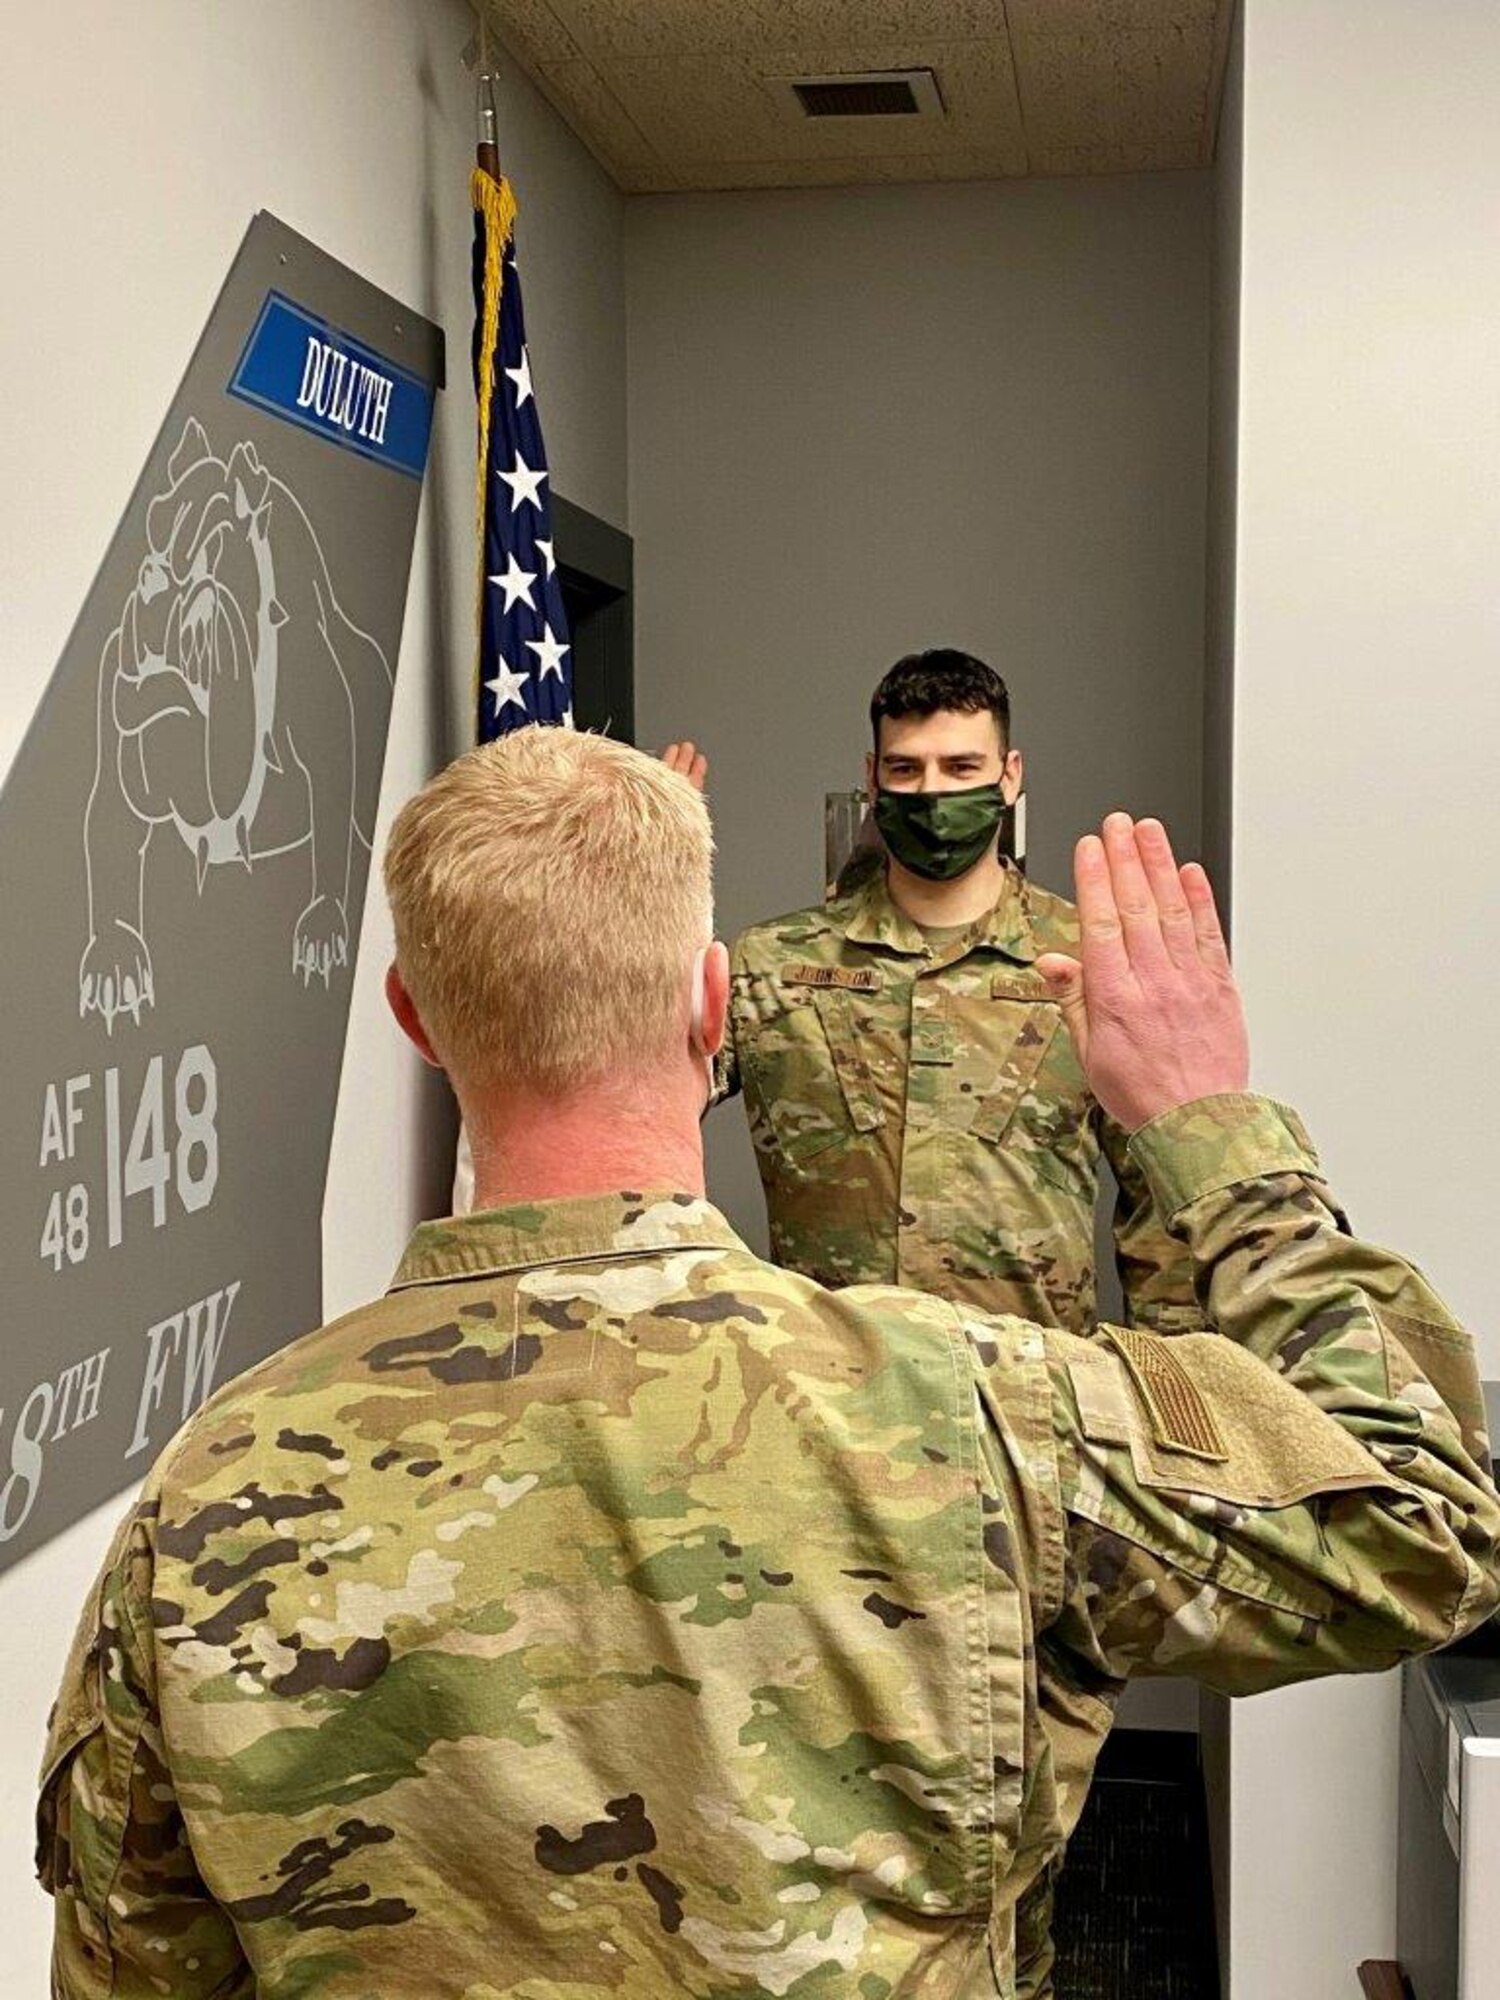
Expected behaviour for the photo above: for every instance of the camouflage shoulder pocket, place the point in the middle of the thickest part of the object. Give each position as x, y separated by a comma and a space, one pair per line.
73, 1859
67, 1733
1211, 1419
1210, 1442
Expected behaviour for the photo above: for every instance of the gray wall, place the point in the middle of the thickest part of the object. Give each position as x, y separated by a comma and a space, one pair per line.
863, 421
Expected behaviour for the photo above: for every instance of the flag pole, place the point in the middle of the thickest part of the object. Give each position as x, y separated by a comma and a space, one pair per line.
494, 211
487, 148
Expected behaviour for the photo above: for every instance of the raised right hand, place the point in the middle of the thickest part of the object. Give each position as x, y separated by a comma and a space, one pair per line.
1153, 1007
688, 762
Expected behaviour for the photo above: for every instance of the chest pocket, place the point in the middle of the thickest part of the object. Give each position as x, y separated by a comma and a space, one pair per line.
803, 1058
845, 1036
1023, 1021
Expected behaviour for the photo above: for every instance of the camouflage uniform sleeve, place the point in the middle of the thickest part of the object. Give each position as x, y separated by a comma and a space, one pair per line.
1156, 1269
132, 1917
1299, 1492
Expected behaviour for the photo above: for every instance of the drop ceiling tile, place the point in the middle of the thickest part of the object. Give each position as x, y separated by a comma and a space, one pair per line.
643, 29
976, 80
697, 107
674, 93
532, 33
1103, 17
596, 114
1223, 31
1147, 157
982, 98
694, 108
701, 107
651, 180
1115, 90
859, 172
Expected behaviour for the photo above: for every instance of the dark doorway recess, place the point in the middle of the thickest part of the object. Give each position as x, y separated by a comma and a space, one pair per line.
596, 565
1135, 1903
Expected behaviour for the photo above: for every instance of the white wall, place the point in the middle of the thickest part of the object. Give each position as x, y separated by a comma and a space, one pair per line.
864, 421
1367, 715
135, 153
1223, 473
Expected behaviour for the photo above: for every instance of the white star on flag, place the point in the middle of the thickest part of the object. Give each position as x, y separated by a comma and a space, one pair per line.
524, 484
547, 556
516, 582
506, 687
550, 653
522, 377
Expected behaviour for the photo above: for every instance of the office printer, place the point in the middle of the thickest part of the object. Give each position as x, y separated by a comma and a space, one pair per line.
1448, 1872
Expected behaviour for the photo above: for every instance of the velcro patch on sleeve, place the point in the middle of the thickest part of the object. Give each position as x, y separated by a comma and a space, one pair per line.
1181, 1419
1104, 1404
850, 978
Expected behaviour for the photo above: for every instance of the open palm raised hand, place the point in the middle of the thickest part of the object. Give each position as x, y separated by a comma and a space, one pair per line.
1151, 1001
689, 762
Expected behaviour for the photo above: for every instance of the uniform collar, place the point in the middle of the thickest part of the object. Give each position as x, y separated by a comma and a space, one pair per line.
871, 917
528, 1234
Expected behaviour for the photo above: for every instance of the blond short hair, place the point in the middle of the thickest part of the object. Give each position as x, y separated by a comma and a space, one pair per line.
549, 891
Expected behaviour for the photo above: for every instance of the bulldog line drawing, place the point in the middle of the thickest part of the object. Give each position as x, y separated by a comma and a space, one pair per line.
240, 710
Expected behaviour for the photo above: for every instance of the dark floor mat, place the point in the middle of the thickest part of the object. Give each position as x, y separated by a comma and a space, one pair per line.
1135, 1903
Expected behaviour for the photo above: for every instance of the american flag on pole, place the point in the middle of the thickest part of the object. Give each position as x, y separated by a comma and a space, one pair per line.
525, 663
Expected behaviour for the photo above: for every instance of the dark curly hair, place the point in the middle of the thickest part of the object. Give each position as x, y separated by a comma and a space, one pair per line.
941, 678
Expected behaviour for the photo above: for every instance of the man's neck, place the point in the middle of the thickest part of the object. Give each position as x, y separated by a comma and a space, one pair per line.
937, 905
612, 1138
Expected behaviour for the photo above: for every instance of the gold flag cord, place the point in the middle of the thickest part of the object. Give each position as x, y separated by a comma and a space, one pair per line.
495, 202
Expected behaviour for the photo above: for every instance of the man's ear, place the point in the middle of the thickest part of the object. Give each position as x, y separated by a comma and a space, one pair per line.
871, 783
404, 1008
715, 997
1012, 777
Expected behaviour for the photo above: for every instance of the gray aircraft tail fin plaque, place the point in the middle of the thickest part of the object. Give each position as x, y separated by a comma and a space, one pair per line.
185, 841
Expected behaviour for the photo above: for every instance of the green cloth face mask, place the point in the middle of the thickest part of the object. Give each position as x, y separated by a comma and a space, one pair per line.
940, 835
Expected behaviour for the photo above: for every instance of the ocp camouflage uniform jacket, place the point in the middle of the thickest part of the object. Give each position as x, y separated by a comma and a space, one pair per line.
606, 1612
920, 1117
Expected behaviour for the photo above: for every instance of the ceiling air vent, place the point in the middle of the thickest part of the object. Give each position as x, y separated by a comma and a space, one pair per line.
892, 93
